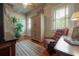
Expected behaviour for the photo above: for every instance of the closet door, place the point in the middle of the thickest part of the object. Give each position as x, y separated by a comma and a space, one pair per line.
36, 28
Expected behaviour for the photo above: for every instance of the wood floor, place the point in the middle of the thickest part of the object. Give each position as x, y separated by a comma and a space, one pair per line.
29, 48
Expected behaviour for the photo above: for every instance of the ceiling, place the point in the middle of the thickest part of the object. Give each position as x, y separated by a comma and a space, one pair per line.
19, 7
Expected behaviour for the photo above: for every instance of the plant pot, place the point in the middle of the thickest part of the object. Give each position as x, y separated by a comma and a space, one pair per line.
17, 35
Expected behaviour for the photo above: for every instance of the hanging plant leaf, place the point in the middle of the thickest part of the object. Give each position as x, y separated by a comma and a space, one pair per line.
14, 20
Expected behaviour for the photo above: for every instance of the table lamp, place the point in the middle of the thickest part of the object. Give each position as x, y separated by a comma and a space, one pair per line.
75, 33
75, 16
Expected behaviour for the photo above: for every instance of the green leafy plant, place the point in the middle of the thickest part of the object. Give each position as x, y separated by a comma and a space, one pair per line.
18, 26
18, 29
14, 20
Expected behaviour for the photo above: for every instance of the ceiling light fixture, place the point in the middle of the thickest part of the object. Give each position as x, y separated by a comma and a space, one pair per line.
26, 4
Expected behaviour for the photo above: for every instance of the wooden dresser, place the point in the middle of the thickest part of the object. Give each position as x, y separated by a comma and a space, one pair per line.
7, 48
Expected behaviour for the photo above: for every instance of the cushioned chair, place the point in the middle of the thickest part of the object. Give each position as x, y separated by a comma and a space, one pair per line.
55, 37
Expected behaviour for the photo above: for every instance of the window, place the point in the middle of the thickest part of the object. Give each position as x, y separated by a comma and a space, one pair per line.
22, 21
29, 23
61, 18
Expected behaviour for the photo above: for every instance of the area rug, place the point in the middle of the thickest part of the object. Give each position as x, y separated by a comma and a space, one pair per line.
28, 48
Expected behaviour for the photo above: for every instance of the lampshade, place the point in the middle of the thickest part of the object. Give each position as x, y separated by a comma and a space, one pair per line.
75, 16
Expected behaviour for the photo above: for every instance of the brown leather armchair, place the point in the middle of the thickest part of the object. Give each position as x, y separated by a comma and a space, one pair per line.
56, 36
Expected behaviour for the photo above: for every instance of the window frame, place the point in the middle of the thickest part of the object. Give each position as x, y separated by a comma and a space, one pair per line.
66, 16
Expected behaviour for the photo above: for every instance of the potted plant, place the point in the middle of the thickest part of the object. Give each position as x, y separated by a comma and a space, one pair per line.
18, 27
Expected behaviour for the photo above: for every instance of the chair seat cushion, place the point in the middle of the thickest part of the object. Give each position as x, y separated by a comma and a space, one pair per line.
49, 40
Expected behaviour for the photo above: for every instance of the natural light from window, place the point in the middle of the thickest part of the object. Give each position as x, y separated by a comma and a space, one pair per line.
61, 18
29, 23
60, 13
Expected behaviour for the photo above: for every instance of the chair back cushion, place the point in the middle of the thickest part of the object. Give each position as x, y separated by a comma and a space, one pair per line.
59, 33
